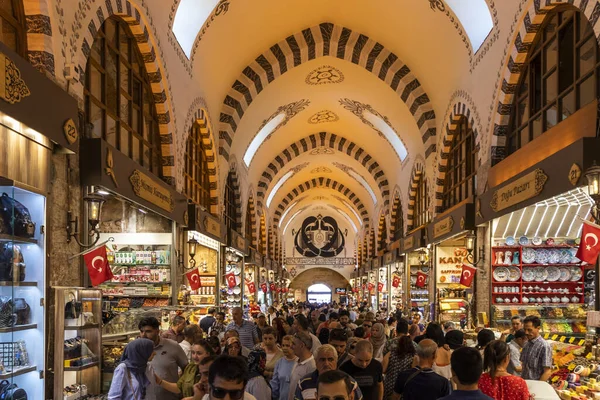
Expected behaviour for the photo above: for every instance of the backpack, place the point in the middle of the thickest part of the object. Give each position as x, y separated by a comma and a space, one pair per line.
10, 391
16, 215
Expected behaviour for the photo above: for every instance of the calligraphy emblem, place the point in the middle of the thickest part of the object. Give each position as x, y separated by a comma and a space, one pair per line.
319, 237
110, 165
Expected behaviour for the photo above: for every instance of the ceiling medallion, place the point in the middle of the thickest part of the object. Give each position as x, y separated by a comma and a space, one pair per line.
323, 116
321, 150
319, 198
321, 170
323, 75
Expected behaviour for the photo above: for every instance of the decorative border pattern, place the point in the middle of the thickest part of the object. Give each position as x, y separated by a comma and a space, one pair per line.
323, 40
324, 75
317, 142
380, 229
39, 35
263, 234
348, 171
511, 66
320, 183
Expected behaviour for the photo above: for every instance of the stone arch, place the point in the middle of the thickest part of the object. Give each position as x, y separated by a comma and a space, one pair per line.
326, 39
327, 140
513, 64
263, 234
128, 11
381, 229
39, 35
317, 183
200, 117
238, 197
396, 213
417, 174
326, 276
251, 221
459, 110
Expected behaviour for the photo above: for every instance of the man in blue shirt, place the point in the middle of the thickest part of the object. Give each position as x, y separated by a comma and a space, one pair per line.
467, 367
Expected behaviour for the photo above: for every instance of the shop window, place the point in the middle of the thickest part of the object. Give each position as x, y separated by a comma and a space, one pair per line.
119, 102
399, 221
559, 77
460, 171
197, 183
421, 209
14, 32
230, 215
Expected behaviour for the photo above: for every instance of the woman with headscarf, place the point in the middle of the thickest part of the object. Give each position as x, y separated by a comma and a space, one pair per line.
233, 347
257, 384
130, 379
402, 354
378, 340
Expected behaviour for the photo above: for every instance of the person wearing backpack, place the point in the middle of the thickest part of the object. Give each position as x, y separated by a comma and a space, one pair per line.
130, 379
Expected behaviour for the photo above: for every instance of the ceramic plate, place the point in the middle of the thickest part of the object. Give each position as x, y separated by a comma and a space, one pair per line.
528, 256
550, 242
554, 256
576, 274
237, 297
237, 290
229, 291
540, 274
553, 274
523, 240
501, 274
528, 274
425, 269
514, 274
229, 268
574, 259
541, 256
536, 240
565, 274
510, 241
565, 256
237, 270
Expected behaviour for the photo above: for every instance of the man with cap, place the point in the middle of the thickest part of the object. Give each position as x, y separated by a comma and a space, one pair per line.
261, 323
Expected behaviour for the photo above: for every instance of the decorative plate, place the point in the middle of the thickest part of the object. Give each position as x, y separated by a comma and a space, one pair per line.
540, 274
565, 256
590, 274
230, 291
554, 256
536, 240
523, 240
501, 274
414, 270
528, 274
574, 259
542, 256
413, 280
553, 274
565, 274
230, 298
514, 273
550, 242
237, 270
576, 274
528, 256
510, 241
425, 268
229, 268
237, 290
577, 241
237, 297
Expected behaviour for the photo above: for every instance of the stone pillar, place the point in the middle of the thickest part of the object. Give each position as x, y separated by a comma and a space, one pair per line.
484, 270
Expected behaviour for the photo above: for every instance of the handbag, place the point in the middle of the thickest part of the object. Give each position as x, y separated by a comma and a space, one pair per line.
16, 217
10, 391
12, 263
22, 311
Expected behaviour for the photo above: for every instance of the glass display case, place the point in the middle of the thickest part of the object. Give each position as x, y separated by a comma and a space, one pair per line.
77, 342
22, 287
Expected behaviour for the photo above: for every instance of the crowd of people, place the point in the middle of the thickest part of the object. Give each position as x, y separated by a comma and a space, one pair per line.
301, 351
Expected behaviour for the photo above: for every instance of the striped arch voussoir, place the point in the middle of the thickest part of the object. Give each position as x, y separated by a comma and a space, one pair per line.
460, 110
128, 12
238, 198
380, 228
323, 40
532, 22
417, 175
319, 183
396, 211
201, 118
39, 35
331, 141
252, 210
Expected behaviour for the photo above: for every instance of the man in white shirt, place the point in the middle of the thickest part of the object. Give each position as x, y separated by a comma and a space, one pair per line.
515, 346
306, 362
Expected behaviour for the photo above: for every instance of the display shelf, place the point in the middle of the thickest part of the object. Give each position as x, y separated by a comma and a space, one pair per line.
551, 319
141, 265
18, 328
83, 367
156, 296
82, 327
16, 239
136, 283
18, 372
11, 284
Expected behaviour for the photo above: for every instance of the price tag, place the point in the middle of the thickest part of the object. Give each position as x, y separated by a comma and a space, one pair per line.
571, 367
581, 342
554, 337
562, 339
589, 356
546, 335
571, 340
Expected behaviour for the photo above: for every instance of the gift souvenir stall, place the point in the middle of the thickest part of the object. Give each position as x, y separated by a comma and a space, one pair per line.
254, 279
233, 280
383, 288
536, 220
419, 272
395, 281
373, 285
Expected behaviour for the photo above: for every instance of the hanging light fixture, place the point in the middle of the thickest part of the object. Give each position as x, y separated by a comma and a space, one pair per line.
93, 204
192, 243
422, 256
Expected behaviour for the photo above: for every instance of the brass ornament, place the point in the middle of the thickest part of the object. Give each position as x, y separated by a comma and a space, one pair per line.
574, 174
478, 208
70, 131
110, 164
13, 88
186, 217
462, 223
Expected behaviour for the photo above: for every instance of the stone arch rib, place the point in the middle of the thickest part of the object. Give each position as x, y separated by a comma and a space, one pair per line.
395, 213
322, 139
238, 199
513, 65
320, 183
326, 39
417, 175
39, 35
251, 210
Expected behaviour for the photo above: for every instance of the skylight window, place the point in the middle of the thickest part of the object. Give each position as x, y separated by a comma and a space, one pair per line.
387, 131
353, 212
476, 19
363, 182
291, 219
189, 19
278, 185
345, 216
261, 136
286, 212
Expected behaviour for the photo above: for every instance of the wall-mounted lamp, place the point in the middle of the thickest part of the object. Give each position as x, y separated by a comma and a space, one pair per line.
93, 204
192, 243
470, 244
422, 256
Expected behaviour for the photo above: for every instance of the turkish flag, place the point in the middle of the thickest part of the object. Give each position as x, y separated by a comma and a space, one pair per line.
263, 287
395, 281
251, 287
284, 290
380, 286
193, 278
230, 278
590, 243
371, 286
467, 275
272, 286
96, 262
421, 279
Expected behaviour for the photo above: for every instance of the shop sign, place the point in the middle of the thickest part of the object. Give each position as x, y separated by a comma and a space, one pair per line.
340, 290
449, 263
376, 262
12, 87
70, 131
240, 242
149, 190
520, 190
409, 242
574, 174
443, 227
388, 258
211, 226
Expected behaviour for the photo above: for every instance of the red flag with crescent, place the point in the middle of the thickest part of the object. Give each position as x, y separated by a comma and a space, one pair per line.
371, 286
230, 278
590, 243
467, 275
263, 287
251, 287
193, 278
380, 287
421, 279
272, 286
395, 281
97, 265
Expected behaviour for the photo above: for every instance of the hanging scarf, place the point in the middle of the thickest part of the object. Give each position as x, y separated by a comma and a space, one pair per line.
135, 357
